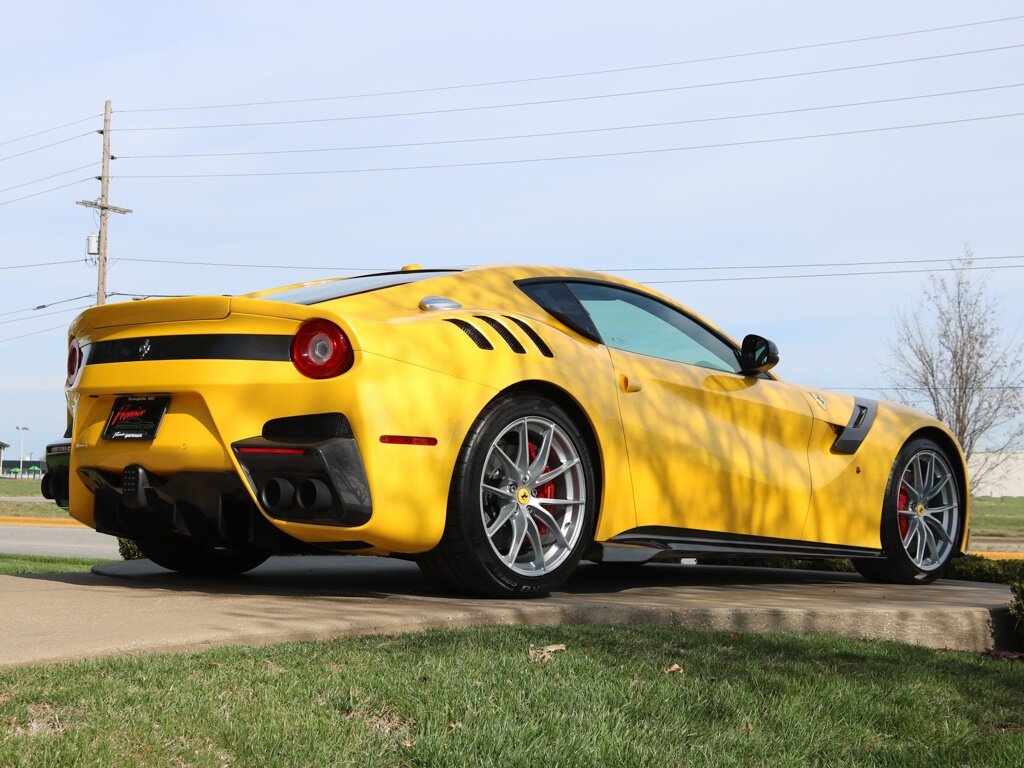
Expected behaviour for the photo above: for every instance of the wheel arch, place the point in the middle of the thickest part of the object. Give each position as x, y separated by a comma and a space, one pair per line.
579, 416
955, 458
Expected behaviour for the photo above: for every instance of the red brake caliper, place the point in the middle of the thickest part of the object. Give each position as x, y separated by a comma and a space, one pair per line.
903, 505
546, 491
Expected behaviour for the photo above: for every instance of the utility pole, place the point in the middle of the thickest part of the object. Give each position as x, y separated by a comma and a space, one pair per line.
104, 208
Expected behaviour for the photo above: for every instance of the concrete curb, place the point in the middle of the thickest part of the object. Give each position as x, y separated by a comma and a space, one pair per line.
136, 607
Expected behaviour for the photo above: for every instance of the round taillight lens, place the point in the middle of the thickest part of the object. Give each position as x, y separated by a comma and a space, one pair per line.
321, 350
74, 360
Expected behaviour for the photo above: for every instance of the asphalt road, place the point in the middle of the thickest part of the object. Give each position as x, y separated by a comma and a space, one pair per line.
53, 541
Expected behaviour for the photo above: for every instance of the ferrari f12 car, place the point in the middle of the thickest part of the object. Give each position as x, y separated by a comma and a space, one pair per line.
496, 424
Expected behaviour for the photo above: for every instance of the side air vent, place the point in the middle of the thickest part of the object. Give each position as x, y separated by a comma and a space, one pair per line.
505, 333
534, 336
477, 337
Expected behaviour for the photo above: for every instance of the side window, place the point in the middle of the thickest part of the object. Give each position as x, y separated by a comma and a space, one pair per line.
558, 301
637, 323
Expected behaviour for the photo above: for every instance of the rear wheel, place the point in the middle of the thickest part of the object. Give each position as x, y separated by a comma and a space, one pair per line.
177, 553
522, 501
921, 518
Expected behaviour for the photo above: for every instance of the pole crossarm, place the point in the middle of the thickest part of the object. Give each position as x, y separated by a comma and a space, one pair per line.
102, 206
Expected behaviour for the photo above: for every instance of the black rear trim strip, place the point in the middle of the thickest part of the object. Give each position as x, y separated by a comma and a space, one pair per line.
206, 346
534, 336
467, 328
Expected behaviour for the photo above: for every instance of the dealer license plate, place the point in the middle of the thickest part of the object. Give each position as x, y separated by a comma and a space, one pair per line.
135, 418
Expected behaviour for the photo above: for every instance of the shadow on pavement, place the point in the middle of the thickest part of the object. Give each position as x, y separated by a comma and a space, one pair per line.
361, 576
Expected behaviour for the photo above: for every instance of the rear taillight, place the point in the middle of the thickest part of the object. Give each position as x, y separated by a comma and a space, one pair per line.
321, 350
74, 360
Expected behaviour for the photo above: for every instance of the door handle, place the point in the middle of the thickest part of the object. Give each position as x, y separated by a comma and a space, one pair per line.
630, 383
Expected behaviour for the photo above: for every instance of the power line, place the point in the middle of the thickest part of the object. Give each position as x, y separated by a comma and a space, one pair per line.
151, 295
800, 266
554, 158
34, 333
830, 274
248, 266
815, 265
45, 306
49, 130
45, 314
570, 99
40, 264
578, 74
46, 146
47, 178
573, 132
46, 191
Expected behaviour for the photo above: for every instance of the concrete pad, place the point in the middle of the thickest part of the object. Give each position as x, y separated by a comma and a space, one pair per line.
132, 607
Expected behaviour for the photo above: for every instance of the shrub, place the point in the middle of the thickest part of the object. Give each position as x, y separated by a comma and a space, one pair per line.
978, 568
129, 549
1017, 607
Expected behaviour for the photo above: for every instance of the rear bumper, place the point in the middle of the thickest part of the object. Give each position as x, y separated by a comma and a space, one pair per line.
312, 473
389, 498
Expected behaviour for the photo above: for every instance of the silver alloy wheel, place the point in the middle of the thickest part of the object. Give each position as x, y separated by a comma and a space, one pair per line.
533, 496
928, 509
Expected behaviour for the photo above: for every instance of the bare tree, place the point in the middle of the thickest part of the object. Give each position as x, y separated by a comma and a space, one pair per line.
951, 353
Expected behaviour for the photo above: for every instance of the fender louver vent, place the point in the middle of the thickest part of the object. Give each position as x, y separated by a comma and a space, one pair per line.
505, 333
534, 336
469, 330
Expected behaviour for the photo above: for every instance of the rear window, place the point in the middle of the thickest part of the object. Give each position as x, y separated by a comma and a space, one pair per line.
350, 286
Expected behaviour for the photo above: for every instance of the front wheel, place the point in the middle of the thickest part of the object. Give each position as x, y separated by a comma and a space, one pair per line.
921, 519
177, 553
522, 504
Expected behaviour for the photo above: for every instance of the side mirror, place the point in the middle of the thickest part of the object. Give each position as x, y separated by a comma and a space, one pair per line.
757, 355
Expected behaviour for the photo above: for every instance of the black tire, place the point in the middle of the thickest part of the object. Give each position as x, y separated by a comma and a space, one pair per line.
469, 557
922, 522
177, 553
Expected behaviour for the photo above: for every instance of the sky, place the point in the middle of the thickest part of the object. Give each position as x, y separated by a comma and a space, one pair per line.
658, 203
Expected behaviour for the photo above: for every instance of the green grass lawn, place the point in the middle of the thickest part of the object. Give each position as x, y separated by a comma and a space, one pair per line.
42, 508
616, 696
16, 487
10, 564
997, 516
27, 487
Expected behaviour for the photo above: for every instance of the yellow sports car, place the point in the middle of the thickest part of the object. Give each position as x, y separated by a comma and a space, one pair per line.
495, 424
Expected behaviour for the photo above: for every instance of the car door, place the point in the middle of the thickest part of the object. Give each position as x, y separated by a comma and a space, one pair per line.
710, 449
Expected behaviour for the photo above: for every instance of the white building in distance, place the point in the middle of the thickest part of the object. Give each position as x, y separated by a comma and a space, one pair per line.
1007, 480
